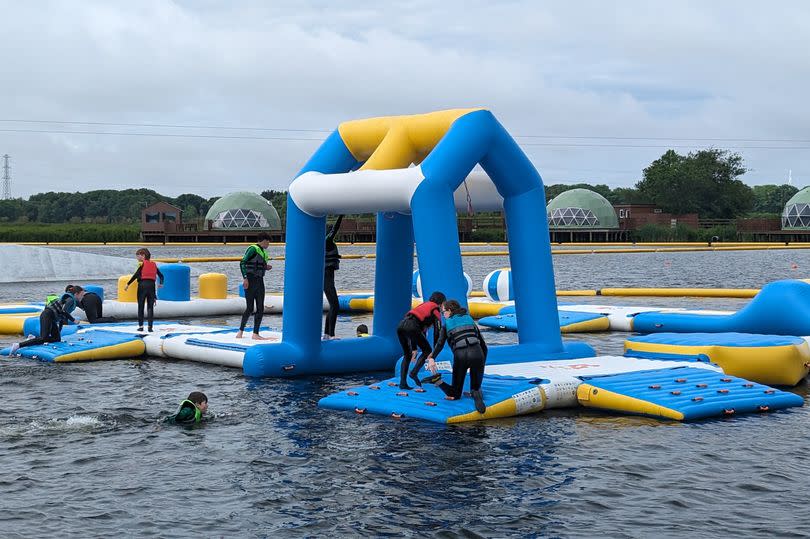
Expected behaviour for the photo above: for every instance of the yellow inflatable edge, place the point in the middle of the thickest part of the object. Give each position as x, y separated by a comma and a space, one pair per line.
770, 365
593, 397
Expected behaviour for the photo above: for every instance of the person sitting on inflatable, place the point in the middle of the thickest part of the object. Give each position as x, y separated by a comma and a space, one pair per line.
469, 353
411, 332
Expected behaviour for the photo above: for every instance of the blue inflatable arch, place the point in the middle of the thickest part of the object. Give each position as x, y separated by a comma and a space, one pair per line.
364, 167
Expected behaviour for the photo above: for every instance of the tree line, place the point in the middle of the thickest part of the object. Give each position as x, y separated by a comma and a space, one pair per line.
703, 182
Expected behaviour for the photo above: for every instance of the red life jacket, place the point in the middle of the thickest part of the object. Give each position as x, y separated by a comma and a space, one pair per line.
423, 311
148, 270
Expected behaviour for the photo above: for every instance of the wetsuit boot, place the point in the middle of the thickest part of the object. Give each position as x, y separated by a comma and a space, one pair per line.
415, 371
479, 401
403, 375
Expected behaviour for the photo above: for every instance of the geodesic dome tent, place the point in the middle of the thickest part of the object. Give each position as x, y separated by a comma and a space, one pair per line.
243, 210
581, 208
796, 215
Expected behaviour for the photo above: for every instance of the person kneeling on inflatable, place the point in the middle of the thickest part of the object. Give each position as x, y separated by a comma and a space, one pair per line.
55, 314
469, 353
191, 410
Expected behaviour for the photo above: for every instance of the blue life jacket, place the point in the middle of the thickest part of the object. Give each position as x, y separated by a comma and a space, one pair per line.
461, 331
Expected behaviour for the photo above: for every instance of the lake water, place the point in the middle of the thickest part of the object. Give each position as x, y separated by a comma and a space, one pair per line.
83, 452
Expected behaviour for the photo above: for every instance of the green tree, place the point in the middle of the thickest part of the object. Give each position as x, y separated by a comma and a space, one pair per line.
703, 182
279, 201
772, 198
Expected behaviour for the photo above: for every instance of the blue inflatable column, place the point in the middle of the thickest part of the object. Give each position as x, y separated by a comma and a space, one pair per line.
529, 247
177, 283
436, 234
394, 266
95, 289
303, 280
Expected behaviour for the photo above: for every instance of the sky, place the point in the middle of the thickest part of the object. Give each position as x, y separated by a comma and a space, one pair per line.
211, 97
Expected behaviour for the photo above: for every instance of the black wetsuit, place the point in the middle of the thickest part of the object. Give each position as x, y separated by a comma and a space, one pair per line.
411, 333
51, 320
469, 353
147, 295
332, 264
91, 304
253, 267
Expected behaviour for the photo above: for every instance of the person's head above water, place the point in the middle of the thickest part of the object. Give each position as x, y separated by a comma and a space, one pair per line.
438, 298
199, 399
362, 329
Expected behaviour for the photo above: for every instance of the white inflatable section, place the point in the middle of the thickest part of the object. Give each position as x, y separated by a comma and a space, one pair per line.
371, 191
154, 340
196, 307
621, 317
24, 263
216, 348
564, 375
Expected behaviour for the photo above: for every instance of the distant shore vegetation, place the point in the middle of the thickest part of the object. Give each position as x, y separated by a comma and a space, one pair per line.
705, 182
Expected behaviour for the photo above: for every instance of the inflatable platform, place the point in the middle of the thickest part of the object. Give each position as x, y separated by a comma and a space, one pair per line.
528, 387
92, 345
219, 348
570, 322
767, 359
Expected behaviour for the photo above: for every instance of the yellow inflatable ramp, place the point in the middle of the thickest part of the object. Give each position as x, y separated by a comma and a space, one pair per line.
681, 393
768, 359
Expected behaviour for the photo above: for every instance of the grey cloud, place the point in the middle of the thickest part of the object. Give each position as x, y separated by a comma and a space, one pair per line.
632, 69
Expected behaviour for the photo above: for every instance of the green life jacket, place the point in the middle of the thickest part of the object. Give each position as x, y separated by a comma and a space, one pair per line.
50, 298
183, 406
256, 264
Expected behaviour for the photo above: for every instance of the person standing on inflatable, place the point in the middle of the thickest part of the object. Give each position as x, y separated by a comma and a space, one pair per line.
469, 353
146, 275
332, 264
51, 320
253, 266
411, 332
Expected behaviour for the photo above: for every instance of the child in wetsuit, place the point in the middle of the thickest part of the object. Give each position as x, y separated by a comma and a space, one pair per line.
253, 267
53, 317
469, 353
146, 275
411, 332
91, 304
191, 410
331, 265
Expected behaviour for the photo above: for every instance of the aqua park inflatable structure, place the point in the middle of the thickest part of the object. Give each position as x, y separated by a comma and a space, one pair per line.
366, 166
410, 170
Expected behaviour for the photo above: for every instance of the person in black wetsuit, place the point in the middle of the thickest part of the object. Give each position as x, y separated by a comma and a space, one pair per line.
253, 266
411, 333
146, 275
469, 353
53, 317
332, 264
91, 304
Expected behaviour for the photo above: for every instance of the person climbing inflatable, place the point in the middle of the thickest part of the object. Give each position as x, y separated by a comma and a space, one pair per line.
469, 353
411, 333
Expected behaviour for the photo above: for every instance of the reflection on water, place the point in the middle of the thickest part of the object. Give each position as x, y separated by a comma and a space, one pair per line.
84, 452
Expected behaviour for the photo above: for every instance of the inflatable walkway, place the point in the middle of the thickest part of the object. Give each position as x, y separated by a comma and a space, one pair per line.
780, 308
685, 389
